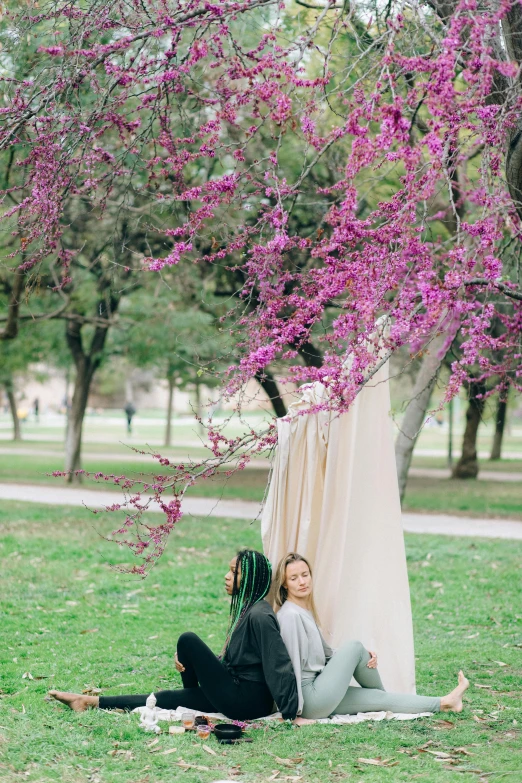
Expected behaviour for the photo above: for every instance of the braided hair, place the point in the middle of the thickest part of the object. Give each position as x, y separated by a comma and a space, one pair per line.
256, 578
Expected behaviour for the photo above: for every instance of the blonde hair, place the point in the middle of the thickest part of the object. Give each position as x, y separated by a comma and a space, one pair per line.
280, 591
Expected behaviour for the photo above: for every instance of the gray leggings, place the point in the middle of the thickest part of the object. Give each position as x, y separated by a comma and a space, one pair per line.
329, 694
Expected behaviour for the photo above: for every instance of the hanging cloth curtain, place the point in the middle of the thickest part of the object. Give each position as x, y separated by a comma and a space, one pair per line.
334, 498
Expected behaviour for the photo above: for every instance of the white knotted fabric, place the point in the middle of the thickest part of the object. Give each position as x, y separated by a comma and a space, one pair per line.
334, 498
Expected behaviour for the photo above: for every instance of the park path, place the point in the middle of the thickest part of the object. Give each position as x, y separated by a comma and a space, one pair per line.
438, 524
257, 464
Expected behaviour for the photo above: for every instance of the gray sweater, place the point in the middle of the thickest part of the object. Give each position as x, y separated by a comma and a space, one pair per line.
307, 649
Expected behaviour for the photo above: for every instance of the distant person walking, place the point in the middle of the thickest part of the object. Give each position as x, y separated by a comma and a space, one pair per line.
130, 410
36, 409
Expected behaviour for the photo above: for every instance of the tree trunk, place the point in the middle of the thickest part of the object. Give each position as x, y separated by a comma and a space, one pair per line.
15, 297
416, 409
500, 423
450, 434
73, 442
168, 429
267, 382
9, 390
86, 365
67, 408
467, 466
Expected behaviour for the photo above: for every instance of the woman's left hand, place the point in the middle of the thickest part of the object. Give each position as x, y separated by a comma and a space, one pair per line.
372, 663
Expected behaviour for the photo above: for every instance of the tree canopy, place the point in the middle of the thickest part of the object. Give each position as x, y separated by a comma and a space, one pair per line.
320, 168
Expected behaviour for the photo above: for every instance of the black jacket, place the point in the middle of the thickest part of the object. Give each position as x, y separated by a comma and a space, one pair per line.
256, 652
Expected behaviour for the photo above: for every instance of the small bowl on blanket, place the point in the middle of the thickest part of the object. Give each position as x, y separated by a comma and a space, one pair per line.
227, 733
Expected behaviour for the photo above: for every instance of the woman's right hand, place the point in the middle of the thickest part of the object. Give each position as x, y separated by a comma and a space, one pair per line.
179, 666
372, 663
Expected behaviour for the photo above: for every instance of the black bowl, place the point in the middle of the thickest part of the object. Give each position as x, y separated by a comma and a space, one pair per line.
226, 733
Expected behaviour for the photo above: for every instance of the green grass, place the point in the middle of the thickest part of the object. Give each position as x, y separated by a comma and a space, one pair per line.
501, 465
464, 497
246, 485
110, 427
56, 584
434, 438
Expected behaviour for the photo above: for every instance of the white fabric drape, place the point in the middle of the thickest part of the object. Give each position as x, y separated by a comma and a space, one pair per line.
334, 498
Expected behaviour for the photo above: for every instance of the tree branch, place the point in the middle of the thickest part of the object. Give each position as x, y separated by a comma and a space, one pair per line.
318, 7
500, 286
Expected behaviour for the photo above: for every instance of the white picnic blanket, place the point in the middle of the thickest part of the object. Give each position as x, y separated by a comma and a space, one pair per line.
174, 716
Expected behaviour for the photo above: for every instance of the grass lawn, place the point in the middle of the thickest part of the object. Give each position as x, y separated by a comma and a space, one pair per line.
500, 465
111, 427
464, 497
246, 485
72, 622
431, 495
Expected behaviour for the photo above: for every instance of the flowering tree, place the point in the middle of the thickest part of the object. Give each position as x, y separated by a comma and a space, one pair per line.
322, 165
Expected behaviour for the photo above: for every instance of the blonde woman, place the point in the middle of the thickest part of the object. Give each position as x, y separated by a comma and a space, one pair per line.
323, 675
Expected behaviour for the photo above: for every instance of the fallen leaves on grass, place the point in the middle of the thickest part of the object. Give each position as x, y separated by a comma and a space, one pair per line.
443, 724
186, 765
93, 691
379, 762
153, 743
450, 758
167, 752
439, 754
89, 630
287, 762
27, 676
465, 769
126, 754
209, 750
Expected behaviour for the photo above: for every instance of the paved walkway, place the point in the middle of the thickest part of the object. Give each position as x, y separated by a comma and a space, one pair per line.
439, 524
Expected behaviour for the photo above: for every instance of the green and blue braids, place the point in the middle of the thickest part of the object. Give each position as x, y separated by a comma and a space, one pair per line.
256, 578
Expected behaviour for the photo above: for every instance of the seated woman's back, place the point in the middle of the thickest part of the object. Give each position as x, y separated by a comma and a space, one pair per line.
307, 649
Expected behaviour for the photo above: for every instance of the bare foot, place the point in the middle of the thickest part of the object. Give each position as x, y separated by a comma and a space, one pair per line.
302, 721
76, 701
453, 701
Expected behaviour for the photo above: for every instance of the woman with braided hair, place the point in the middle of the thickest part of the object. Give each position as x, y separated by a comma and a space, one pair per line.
254, 668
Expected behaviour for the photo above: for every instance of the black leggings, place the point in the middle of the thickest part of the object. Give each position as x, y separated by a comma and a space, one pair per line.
208, 686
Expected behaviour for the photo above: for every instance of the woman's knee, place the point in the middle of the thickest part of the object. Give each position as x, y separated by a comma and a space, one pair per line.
187, 640
356, 647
